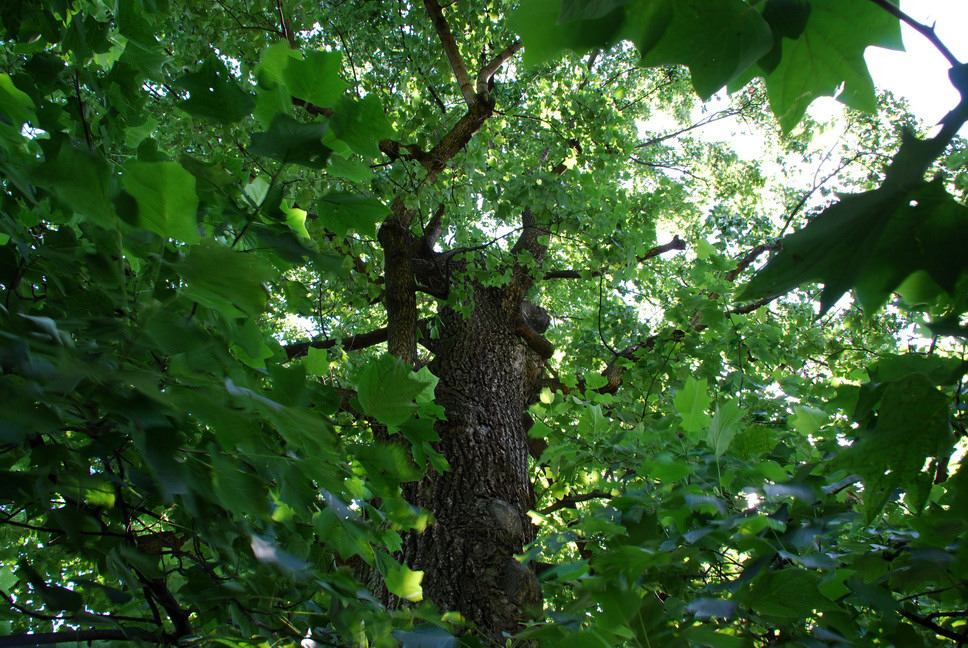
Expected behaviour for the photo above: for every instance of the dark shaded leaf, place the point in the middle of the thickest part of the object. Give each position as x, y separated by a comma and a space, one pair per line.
214, 94
293, 142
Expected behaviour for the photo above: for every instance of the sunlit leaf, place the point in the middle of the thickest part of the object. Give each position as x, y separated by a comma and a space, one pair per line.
692, 402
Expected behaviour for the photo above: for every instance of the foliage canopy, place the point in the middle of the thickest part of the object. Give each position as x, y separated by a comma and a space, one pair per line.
214, 215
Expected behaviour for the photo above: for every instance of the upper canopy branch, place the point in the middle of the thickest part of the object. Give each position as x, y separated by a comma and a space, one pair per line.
615, 370
675, 244
492, 66
453, 54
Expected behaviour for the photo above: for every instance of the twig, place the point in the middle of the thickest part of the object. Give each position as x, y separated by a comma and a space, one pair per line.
284, 24
816, 185
81, 109
601, 296
722, 114
353, 342
934, 627
749, 258
924, 30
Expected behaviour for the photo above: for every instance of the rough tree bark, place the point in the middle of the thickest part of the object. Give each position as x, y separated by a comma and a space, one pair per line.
488, 365
488, 377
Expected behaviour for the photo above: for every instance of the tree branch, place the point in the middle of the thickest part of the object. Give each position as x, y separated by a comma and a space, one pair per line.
675, 244
77, 636
492, 66
924, 30
749, 258
934, 627
351, 343
570, 501
453, 53
285, 26
722, 114
614, 371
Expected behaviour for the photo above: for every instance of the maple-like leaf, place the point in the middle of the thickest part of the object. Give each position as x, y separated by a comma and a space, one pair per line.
829, 55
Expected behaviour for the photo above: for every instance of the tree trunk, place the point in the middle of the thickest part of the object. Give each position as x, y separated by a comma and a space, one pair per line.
488, 377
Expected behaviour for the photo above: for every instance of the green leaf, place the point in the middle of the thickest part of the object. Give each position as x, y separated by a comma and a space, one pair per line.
912, 426
296, 219
828, 54
724, 426
165, 193
716, 39
873, 241
273, 63
82, 182
543, 37
789, 593
752, 441
587, 9
315, 78
405, 583
293, 142
387, 389
214, 94
361, 124
227, 280
940, 370
808, 420
692, 402
16, 106
341, 212
701, 636
317, 362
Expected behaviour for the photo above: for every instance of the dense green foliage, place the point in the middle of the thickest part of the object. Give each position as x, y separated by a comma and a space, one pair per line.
189, 190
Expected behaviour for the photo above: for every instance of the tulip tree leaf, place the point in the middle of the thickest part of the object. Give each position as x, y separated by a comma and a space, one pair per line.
716, 39
692, 402
214, 94
315, 78
165, 193
828, 54
291, 141
724, 426
912, 426
362, 124
387, 389
81, 181
789, 593
341, 212
872, 242
226, 279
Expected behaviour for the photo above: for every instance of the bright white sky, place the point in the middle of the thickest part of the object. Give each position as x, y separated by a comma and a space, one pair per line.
920, 74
